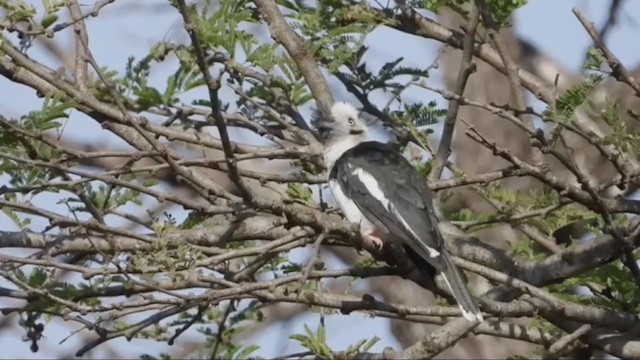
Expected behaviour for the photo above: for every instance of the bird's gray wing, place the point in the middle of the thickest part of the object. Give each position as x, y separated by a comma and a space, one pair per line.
390, 192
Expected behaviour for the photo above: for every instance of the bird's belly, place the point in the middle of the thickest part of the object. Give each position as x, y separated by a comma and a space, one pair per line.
348, 207
351, 210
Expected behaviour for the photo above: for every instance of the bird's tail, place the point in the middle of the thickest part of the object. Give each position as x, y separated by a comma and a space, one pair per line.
458, 287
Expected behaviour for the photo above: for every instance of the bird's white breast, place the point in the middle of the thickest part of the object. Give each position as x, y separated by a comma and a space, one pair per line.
335, 149
348, 207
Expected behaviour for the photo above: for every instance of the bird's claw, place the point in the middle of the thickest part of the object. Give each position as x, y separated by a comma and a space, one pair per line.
372, 241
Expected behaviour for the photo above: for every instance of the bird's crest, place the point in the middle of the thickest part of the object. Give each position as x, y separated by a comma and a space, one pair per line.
319, 119
339, 110
342, 119
342, 111
336, 118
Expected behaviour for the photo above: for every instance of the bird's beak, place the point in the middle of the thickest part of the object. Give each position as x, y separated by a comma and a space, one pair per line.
356, 131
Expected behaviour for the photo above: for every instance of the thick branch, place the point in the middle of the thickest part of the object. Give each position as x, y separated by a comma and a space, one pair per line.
296, 47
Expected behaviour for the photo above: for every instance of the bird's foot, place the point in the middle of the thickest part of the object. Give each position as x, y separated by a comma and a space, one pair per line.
372, 240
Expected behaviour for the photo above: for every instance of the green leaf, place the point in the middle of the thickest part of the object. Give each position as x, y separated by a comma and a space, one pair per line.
594, 59
150, 182
264, 56
568, 102
370, 344
193, 219
148, 97
48, 20
170, 91
22, 224
322, 336
247, 351
38, 277
298, 337
299, 191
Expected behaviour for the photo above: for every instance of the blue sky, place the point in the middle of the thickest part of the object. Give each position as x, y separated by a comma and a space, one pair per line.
118, 33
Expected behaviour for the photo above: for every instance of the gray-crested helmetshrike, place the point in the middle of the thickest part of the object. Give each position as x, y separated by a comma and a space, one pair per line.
376, 187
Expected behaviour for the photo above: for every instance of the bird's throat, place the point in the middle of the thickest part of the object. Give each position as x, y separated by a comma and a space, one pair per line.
335, 148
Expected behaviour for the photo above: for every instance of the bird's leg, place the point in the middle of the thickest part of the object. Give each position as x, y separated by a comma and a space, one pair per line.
371, 238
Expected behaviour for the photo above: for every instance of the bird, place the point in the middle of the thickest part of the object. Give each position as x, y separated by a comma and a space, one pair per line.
376, 187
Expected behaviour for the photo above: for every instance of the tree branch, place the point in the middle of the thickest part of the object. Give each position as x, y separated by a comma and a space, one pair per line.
466, 68
298, 50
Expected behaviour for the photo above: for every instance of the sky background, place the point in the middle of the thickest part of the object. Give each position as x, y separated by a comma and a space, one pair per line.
130, 28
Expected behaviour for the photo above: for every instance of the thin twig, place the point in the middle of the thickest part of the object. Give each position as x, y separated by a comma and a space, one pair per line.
195, 318
512, 71
466, 68
81, 37
618, 70
221, 328
213, 86
560, 346
312, 261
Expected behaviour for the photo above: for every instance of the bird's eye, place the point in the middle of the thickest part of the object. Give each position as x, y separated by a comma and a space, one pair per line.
352, 122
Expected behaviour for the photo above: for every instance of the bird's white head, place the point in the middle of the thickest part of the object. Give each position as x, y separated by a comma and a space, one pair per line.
345, 114
341, 130
343, 121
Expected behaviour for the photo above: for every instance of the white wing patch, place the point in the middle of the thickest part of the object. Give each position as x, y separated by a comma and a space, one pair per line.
374, 189
372, 186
